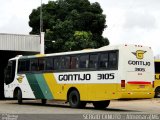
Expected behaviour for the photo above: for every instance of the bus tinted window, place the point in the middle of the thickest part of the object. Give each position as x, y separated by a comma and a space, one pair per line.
84, 61
23, 65
49, 63
74, 62
113, 60
104, 60
41, 64
157, 67
68, 62
93, 61
57, 63
34, 64
65, 62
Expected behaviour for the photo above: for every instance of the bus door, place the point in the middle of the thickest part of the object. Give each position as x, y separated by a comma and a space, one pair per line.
10, 72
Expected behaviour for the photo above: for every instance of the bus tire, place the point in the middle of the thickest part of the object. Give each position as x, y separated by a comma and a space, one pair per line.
157, 92
74, 100
43, 101
19, 96
101, 104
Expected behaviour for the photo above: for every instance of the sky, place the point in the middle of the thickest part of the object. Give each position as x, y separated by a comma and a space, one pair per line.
128, 21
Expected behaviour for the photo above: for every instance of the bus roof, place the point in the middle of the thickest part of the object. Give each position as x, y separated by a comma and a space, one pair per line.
72, 52
104, 48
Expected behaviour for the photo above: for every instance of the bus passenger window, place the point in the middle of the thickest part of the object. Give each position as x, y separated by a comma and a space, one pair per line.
34, 64
104, 60
41, 64
93, 61
57, 63
84, 61
113, 60
67, 63
27, 65
23, 65
49, 64
62, 63
74, 62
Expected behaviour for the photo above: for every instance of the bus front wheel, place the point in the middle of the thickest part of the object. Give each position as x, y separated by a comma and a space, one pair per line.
101, 104
19, 96
74, 100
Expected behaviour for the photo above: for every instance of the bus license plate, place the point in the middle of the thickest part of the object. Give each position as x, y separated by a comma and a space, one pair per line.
141, 86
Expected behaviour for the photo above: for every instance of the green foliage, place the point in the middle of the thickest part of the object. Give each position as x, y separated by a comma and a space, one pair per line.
72, 24
80, 40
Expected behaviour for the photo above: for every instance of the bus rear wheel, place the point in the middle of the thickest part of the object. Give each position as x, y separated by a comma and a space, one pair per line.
101, 104
74, 100
19, 96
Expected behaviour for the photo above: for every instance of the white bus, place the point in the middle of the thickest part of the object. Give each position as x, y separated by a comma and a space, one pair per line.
86, 76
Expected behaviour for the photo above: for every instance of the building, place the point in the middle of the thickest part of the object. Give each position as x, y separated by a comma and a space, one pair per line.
15, 44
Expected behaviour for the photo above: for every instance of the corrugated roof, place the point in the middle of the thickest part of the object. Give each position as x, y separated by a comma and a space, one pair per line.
17, 42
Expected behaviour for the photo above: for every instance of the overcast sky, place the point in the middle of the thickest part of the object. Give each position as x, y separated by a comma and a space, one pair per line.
128, 21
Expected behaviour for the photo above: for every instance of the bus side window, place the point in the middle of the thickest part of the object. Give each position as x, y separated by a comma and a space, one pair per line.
49, 63
65, 62
74, 62
68, 62
104, 60
93, 61
27, 65
34, 64
41, 64
57, 63
113, 60
84, 61
23, 65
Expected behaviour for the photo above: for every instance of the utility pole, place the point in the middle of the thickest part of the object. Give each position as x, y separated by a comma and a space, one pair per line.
41, 19
41, 31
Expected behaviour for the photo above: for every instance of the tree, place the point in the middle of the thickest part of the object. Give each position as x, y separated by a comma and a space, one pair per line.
82, 39
72, 24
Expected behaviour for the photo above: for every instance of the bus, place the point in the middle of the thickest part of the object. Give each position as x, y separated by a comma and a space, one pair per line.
157, 79
86, 76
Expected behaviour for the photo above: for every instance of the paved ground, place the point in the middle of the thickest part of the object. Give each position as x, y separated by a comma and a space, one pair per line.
147, 106
54, 107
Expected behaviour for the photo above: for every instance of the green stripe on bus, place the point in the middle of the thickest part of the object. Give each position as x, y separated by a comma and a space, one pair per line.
35, 86
44, 87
